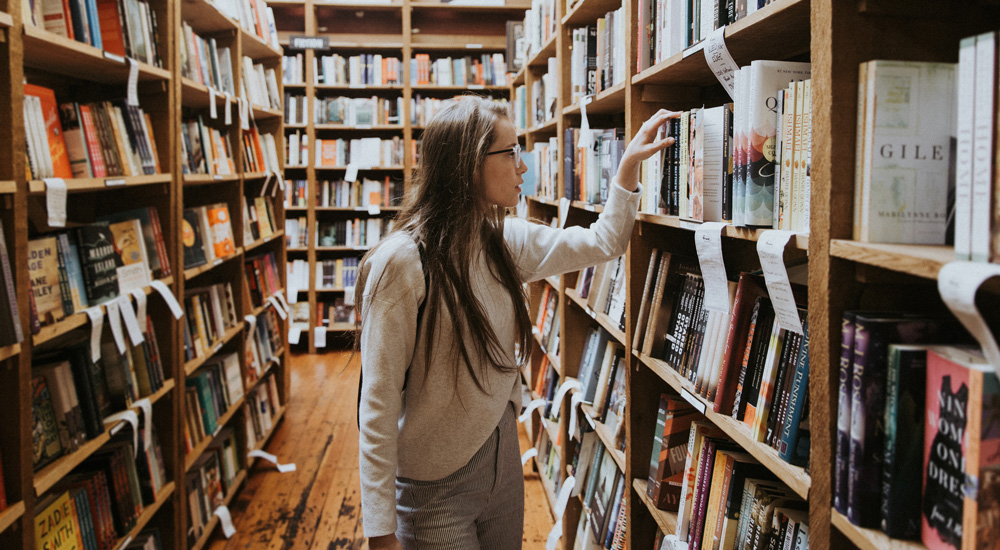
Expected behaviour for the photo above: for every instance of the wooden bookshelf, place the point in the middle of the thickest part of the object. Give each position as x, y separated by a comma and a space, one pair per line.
872, 539
202, 446
666, 521
602, 318
202, 269
606, 102
165, 494
6, 21
261, 242
209, 528
208, 179
919, 260
197, 362
8, 187
98, 184
7, 352
11, 514
51, 52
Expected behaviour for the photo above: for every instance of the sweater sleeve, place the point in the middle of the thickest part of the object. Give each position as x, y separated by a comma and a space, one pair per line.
389, 325
541, 251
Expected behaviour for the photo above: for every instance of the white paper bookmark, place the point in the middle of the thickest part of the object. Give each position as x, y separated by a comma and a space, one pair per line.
146, 406
708, 243
352, 173
563, 211
244, 113
283, 468
564, 494
574, 407
132, 93
294, 333
55, 201
229, 108
586, 137
96, 316
771, 250
527, 410
251, 323
280, 295
213, 111
319, 336
528, 455
281, 180
226, 521
958, 283
554, 535
720, 61
277, 307
348, 295
169, 298
564, 388
115, 320
131, 323
140, 308
293, 293
132, 418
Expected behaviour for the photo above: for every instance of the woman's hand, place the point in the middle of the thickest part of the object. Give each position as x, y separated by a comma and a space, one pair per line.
385, 542
643, 146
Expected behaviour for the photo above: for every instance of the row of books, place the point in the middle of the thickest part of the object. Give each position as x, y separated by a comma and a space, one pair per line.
206, 149
742, 361
296, 232
337, 311
260, 152
297, 277
423, 109
263, 278
356, 111
548, 460
71, 394
74, 140
361, 152
590, 163
209, 312
547, 319
341, 273
98, 503
259, 412
361, 193
902, 392
254, 16
209, 393
597, 58
263, 345
207, 234
358, 232
603, 286
356, 70
10, 322
670, 26
545, 94
259, 219
486, 70
94, 263
209, 480
603, 488
205, 62
542, 163
540, 23
259, 85
126, 28
293, 69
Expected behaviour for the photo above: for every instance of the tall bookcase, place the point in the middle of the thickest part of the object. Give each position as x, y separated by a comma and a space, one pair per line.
400, 29
842, 274
80, 72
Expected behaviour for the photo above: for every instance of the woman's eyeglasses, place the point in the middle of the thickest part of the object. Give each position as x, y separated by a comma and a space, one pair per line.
515, 153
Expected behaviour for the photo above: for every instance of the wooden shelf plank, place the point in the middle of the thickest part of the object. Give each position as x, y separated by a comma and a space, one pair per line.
205, 179
51, 474
779, 30
8, 187
354, 208
391, 168
519, 77
10, 515
553, 281
608, 101
7, 352
147, 514
196, 363
340, 327
510, 6
795, 477
58, 54
196, 271
6, 20
913, 259
871, 539
202, 446
588, 11
547, 128
256, 48
259, 111
255, 175
392, 5
541, 57
204, 17
260, 309
553, 360
466, 88
359, 127
543, 200
605, 435
76, 185
602, 318
261, 242
77, 320
206, 534
799, 241
343, 248
477, 42
667, 521
195, 94
364, 87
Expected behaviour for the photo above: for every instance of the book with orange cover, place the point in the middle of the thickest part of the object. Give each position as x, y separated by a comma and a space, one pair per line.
221, 230
53, 129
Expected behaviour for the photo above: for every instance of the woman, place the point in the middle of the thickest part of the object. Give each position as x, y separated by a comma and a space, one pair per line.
442, 308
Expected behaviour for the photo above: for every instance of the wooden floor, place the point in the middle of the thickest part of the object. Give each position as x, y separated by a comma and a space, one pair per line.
318, 506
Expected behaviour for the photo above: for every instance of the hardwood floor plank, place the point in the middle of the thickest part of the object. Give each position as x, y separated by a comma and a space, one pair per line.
318, 507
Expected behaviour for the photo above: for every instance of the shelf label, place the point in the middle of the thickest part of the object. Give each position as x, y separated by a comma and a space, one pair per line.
589, 208
244, 106
140, 307
356, 86
96, 316
693, 400
226, 521
114, 182
114, 57
374, 209
473, 46
131, 323
132, 92
528, 455
280, 297
958, 283
527, 410
708, 242
217, 177
720, 61
592, 314
115, 320
283, 468
319, 336
218, 262
213, 111
55, 201
476, 87
771, 250
169, 298
301, 42
363, 127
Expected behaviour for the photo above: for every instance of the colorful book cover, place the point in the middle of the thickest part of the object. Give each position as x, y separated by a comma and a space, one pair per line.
53, 129
57, 526
221, 229
43, 272
44, 427
961, 450
133, 267
100, 262
194, 250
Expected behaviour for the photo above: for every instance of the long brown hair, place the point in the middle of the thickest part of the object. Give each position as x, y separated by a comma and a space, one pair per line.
445, 215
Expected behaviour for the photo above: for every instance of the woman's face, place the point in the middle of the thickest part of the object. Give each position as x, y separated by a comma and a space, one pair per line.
501, 173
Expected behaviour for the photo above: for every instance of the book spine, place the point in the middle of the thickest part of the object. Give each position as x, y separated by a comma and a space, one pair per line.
788, 448
840, 473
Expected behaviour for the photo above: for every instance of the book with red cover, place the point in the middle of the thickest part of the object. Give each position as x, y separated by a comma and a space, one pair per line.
53, 129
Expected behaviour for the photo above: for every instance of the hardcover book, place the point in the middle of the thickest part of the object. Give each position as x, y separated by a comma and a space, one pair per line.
57, 525
44, 427
192, 237
100, 262
133, 266
43, 272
